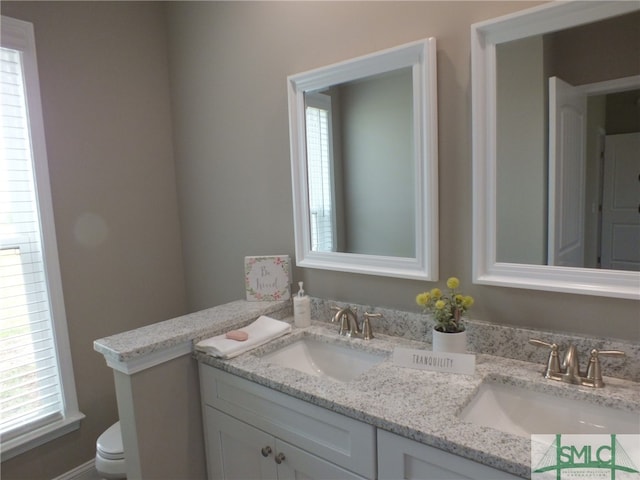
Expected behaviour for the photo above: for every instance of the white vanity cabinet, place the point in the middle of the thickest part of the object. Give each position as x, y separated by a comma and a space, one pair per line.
240, 451
400, 457
255, 432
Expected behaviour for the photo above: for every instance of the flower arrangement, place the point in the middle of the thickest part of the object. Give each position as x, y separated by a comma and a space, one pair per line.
447, 309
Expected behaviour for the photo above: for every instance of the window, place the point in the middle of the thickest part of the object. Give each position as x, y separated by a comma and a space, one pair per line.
320, 172
37, 391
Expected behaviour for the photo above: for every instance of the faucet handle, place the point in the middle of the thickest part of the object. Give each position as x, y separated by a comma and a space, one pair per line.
553, 363
540, 343
367, 333
336, 309
594, 370
608, 353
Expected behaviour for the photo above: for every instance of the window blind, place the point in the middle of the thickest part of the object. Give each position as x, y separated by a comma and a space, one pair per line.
29, 375
319, 165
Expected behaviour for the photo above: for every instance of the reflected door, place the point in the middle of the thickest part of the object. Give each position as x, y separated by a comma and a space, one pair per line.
567, 140
621, 203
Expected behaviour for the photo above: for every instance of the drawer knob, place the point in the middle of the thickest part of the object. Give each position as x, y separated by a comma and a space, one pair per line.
280, 458
266, 451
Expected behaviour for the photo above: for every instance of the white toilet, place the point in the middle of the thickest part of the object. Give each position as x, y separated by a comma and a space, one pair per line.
110, 453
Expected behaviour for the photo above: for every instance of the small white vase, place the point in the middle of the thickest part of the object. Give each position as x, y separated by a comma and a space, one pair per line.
449, 342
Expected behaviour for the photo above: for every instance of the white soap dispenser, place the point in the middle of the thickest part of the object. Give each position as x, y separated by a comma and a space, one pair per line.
301, 309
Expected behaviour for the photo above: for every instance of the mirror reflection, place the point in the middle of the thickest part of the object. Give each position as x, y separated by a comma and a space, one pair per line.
568, 147
360, 165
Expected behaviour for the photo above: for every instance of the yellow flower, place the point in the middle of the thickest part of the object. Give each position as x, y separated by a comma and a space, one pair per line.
422, 298
447, 308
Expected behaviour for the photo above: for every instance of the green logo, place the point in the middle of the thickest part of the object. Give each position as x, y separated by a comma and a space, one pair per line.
583, 456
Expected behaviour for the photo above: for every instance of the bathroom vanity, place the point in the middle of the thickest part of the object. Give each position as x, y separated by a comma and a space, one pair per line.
283, 437
257, 412
279, 432
263, 419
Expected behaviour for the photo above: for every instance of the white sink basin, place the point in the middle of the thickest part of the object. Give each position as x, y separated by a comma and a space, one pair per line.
324, 359
524, 412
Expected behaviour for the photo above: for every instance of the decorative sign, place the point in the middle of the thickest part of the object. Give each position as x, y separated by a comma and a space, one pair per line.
436, 361
267, 279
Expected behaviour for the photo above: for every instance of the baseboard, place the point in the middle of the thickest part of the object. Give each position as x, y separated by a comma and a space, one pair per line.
86, 471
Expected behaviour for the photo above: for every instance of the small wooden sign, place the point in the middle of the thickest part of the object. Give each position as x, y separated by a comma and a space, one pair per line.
435, 361
267, 278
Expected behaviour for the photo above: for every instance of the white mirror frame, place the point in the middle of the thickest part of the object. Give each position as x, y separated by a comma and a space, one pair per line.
421, 57
486, 270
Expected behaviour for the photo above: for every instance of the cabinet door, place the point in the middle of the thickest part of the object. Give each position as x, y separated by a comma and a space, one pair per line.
235, 449
399, 457
338, 439
298, 465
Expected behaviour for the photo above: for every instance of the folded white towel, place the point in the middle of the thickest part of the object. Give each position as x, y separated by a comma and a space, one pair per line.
263, 330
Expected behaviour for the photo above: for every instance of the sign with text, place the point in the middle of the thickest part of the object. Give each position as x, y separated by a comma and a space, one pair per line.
267, 278
435, 361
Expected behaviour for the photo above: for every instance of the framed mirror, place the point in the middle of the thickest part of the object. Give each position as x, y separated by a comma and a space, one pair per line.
364, 164
556, 142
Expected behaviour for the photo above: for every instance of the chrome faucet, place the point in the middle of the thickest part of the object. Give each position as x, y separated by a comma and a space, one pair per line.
568, 371
348, 321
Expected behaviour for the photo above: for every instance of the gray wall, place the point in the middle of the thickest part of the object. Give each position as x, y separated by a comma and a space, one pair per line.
105, 95
521, 153
582, 55
378, 165
232, 149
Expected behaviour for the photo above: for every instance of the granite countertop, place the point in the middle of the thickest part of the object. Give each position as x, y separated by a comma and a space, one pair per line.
192, 327
419, 404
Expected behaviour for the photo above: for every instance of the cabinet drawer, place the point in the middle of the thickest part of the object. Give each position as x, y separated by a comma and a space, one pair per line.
400, 457
339, 439
238, 451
